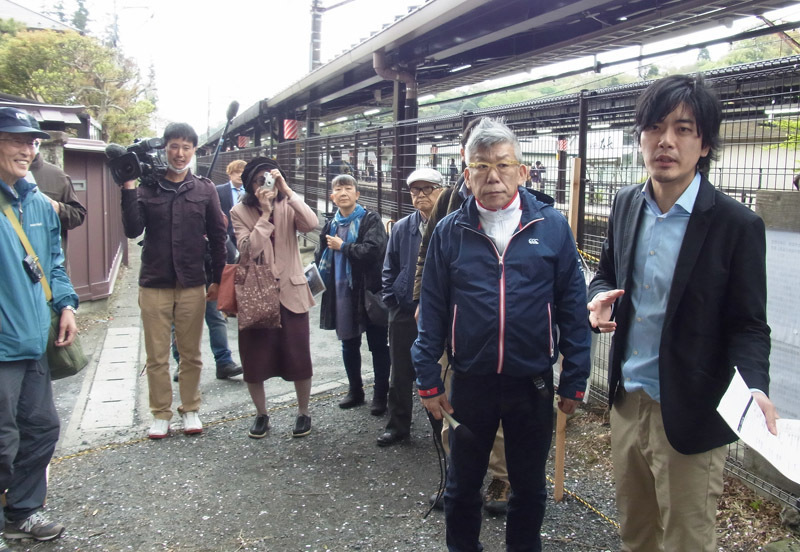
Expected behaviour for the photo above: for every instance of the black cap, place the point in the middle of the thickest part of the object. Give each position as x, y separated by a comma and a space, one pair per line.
255, 165
16, 121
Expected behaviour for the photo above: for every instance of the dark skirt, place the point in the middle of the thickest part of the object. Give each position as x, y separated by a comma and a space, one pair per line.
277, 352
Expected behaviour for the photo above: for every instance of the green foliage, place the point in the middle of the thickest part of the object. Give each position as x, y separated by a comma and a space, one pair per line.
71, 69
9, 28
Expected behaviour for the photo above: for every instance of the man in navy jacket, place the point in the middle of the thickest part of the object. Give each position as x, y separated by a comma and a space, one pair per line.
682, 280
399, 266
501, 274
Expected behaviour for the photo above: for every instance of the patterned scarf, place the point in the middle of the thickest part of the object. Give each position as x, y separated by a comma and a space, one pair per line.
326, 262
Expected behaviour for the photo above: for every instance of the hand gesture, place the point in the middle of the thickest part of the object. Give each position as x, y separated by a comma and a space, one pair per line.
600, 310
280, 183
265, 198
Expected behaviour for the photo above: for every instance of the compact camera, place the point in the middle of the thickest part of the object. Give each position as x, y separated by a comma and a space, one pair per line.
143, 159
269, 182
31, 266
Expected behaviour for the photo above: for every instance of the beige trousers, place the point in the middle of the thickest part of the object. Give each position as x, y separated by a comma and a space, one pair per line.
667, 501
161, 308
497, 458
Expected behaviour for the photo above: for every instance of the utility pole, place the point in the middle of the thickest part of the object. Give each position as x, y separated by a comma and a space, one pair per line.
317, 9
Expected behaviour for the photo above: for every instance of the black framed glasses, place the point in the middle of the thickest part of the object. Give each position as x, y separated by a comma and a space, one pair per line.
424, 190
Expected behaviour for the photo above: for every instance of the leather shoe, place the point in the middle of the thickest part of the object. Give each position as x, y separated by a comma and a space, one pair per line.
437, 501
378, 405
390, 437
260, 427
354, 397
228, 371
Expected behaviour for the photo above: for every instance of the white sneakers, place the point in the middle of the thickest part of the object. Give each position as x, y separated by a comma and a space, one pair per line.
191, 426
191, 423
159, 429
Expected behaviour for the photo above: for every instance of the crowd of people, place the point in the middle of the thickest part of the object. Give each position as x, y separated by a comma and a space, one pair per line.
472, 299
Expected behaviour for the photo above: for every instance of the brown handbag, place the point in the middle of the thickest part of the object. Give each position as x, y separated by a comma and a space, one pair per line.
226, 298
257, 294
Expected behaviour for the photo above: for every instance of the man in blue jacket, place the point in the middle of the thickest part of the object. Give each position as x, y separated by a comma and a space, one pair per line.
399, 266
501, 274
28, 419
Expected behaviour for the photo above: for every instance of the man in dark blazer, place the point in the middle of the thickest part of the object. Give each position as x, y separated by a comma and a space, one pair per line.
229, 195
682, 280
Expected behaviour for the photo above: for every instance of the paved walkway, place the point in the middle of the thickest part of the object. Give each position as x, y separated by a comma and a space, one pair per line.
109, 399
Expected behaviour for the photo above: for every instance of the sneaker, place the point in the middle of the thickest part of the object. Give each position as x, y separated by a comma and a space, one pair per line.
159, 429
260, 427
191, 423
354, 397
495, 501
228, 371
302, 426
3, 546
36, 526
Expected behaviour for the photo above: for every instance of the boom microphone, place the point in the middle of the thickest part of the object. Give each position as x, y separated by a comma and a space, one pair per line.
233, 109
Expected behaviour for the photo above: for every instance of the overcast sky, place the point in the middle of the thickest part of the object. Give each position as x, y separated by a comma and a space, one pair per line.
206, 53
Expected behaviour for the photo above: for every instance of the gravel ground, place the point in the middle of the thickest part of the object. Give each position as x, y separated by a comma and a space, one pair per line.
332, 490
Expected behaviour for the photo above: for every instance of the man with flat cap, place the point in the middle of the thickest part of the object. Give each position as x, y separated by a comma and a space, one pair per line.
399, 266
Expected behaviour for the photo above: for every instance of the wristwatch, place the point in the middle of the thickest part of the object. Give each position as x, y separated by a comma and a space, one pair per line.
70, 307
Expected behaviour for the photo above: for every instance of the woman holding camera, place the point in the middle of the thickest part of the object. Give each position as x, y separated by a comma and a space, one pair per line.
266, 222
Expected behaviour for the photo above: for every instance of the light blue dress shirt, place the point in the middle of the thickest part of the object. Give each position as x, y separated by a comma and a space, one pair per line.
236, 193
658, 243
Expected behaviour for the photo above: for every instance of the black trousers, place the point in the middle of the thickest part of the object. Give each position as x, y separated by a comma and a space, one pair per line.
480, 403
402, 333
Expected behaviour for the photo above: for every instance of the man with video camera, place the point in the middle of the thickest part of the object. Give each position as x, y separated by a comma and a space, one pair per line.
177, 210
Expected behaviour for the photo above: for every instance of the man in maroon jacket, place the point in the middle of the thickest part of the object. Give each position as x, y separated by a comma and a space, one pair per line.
177, 211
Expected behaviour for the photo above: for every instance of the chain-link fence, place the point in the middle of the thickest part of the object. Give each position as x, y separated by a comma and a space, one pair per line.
761, 103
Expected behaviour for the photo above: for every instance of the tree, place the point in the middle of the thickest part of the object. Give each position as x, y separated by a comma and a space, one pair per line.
81, 17
70, 69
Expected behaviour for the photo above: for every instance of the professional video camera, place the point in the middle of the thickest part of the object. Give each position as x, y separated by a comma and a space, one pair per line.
142, 159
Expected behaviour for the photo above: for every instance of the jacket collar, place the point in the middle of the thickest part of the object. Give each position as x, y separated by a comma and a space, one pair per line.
21, 190
530, 204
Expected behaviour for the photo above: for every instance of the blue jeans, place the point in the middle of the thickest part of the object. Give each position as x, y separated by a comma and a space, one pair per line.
377, 340
217, 335
480, 403
28, 434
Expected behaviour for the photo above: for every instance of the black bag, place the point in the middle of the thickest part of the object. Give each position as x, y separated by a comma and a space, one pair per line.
377, 310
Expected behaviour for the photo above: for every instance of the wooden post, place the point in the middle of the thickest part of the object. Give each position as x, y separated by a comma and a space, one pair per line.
561, 418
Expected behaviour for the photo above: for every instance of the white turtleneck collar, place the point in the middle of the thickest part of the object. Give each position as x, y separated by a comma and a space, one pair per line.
500, 224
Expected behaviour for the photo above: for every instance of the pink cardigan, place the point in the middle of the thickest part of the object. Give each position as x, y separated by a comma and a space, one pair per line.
289, 216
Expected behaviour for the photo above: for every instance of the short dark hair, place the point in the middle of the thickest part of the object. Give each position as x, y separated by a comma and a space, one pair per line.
468, 130
180, 130
665, 95
345, 180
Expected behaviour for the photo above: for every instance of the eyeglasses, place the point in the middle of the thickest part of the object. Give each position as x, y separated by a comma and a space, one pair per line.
503, 167
424, 190
22, 142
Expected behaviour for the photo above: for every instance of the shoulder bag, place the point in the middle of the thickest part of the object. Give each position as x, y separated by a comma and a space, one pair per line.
63, 361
